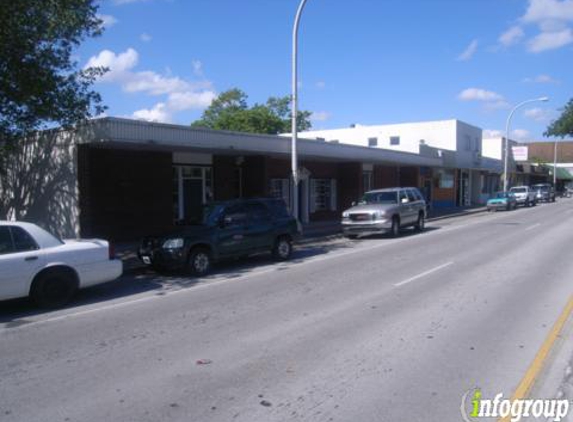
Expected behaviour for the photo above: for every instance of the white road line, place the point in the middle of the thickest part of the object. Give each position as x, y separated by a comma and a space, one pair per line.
532, 227
425, 273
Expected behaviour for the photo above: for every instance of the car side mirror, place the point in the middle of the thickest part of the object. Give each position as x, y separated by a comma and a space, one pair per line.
404, 200
353, 203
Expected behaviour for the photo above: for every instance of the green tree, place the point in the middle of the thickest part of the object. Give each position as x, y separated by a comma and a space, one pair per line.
230, 111
40, 84
563, 126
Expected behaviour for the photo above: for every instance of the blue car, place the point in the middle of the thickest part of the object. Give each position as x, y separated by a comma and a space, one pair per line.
502, 201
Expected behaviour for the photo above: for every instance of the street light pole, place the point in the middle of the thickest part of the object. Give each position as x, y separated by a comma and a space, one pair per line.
506, 149
555, 164
294, 158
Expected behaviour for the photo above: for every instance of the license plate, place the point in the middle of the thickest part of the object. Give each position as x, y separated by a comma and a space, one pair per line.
146, 260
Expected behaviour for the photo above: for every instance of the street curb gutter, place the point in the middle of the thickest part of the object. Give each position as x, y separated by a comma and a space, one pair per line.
338, 233
540, 359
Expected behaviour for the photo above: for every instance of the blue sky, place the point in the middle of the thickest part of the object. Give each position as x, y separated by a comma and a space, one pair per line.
360, 61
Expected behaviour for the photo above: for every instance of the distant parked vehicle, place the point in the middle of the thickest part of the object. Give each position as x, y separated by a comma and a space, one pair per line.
502, 201
544, 192
229, 229
385, 210
37, 264
524, 195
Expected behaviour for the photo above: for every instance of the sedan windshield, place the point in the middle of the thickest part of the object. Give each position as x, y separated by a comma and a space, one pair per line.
519, 190
379, 198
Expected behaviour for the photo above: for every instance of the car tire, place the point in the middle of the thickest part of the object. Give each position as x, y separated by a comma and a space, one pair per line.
199, 262
282, 249
53, 289
420, 223
395, 228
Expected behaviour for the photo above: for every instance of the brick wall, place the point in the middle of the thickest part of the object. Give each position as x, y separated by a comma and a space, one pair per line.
124, 194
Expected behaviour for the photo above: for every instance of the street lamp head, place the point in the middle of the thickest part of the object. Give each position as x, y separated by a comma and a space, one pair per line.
543, 99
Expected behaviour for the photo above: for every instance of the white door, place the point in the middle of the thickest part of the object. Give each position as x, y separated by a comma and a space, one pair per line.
20, 260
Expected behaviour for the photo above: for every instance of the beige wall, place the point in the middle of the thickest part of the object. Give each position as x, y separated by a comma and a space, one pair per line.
39, 184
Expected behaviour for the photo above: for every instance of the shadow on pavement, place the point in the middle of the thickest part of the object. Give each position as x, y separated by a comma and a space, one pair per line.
142, 279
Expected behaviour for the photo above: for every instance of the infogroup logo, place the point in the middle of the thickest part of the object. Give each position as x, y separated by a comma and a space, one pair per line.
515, 409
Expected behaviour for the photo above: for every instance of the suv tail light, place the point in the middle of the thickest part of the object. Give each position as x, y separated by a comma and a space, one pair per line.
111, 250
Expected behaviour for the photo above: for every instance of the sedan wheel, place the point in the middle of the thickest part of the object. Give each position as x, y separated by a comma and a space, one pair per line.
53, 289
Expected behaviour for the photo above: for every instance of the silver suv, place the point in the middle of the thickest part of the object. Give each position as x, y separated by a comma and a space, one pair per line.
385, 210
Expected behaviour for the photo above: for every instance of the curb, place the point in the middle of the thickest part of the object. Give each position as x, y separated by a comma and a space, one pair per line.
317, 238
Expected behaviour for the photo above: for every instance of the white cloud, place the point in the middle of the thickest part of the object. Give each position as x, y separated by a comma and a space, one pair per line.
145, 37
158, 113
541, 79
178, 101
478, 94
550, 41
552, 18
118, 64
320, 116
180, 94
548, 10
520, 134
153, 83
107, 20
491, 100
512, 36
492, 133
197, 67
538, 114
468, 52
320, 84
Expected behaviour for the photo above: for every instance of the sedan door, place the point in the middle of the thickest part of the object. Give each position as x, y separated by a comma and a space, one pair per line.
20, 261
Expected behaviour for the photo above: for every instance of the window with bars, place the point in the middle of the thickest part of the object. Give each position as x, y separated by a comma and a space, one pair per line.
280, 188
322, 195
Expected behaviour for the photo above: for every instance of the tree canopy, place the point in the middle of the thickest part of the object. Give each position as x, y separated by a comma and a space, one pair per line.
563, 126
40, 84
230, 111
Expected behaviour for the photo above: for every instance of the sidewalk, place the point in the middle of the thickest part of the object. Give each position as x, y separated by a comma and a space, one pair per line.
312, 232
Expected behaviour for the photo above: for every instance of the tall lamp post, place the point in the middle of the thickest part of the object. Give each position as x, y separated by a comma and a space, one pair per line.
506, 149
294, 158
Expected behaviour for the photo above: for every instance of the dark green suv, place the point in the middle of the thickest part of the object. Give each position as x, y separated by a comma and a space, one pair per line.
229, 229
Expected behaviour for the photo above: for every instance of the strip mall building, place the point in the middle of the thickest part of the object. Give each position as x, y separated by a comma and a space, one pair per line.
121, 179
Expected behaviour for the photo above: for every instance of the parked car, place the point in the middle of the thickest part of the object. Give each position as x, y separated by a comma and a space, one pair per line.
229, 229
544, 192
524, 195
35, 263
385, 210
502, 201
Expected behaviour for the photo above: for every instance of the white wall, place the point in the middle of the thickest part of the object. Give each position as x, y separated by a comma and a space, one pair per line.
492, 147
469, 145
438, 134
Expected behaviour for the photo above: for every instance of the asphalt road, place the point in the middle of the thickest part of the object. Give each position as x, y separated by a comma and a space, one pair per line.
378, 329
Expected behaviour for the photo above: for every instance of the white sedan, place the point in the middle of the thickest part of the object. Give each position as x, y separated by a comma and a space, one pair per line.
35, 263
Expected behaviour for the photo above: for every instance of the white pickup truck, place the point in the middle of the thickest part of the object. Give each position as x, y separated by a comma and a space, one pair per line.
524, 195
